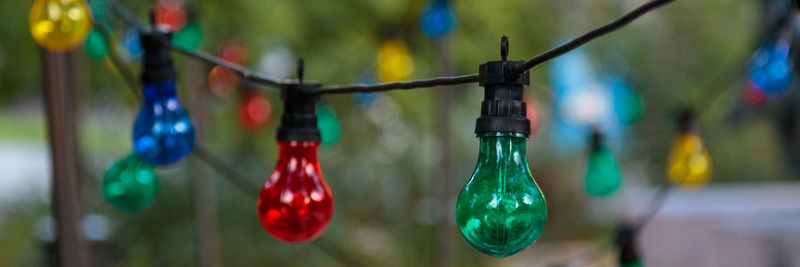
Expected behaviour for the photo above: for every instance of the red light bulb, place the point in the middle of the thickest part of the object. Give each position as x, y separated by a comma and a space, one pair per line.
532, 112
295, 204
170, 14
254, 110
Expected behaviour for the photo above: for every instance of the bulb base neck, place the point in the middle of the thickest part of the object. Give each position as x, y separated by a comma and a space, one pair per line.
503, 109
157, 64
687, 122
299, 119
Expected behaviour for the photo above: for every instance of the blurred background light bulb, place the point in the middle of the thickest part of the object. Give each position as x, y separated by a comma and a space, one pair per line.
130, 184
254, 110
771, 67
689, 164
394, 61
59, 25
603, 176
163, 132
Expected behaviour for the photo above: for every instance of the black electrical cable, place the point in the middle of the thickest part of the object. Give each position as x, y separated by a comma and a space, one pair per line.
371, 88
252, 76
243, 72
583, 39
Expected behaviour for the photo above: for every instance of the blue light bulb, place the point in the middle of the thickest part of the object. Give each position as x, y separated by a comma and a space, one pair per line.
163, 132
437, 19
771, 68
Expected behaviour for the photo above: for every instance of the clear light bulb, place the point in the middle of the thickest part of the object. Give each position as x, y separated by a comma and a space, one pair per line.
501, 209
163, 132
296, 204
130, 184
59, 25
603, 176
689, 163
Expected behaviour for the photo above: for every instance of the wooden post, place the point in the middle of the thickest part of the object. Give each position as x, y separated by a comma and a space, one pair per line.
205, 204
59, 84
444, 229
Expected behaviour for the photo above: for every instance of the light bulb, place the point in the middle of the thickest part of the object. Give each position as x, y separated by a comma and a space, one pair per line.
130, 184
603, 176
328, 125
394, 61
501, 209
254, 110
689, 164
222, 81
437, 19
295, 204
163, 132
170, 15
771, 67
96, 46
191, 36
59, 25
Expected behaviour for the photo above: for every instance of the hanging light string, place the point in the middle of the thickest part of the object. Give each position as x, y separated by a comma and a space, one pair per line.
254, 77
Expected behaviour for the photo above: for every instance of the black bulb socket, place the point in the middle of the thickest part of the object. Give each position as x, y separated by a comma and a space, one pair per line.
299, 119
503, 109
687, 122
157, 65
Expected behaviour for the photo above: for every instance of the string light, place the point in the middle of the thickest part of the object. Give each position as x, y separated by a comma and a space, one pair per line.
295, 204
437, 19
328, 125
163, 132
96, 46
59, 25
221, 80
394, 61
501, 209
689, 164
170, 15
532, 113
191, 36
603, 176
130, 184
254, 110
771, 68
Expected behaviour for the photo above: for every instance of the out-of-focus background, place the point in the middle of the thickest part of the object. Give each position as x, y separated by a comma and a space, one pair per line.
383, 153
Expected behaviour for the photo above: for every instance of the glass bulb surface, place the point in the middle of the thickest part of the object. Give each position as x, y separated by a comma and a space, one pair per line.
59, 25
689, 164
130, 184
603, 176
295, 204
501, 210
394, 61
163, 132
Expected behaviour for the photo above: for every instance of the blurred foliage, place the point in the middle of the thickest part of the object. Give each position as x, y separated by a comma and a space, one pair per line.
387, 152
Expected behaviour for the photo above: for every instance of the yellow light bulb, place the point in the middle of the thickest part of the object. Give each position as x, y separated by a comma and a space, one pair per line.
60, 25
394, 61
689, 164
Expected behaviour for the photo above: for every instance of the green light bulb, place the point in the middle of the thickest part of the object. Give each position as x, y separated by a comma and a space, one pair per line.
603, 176
96, 46
328, 125
130, 184
191, 36
501, 210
